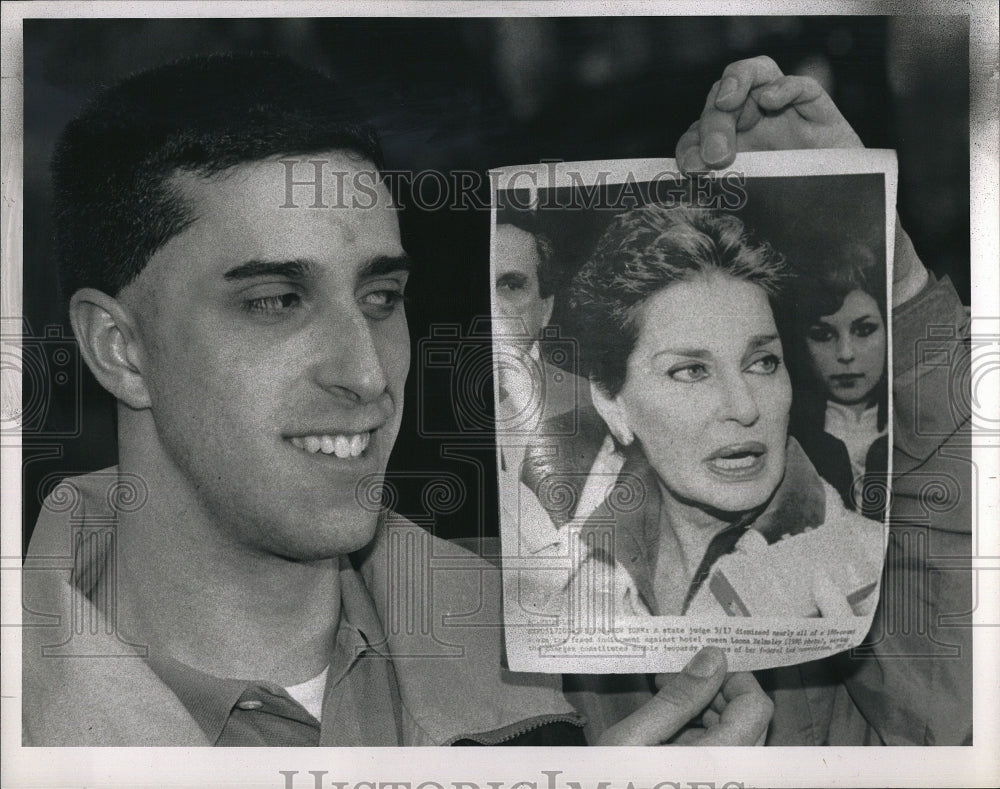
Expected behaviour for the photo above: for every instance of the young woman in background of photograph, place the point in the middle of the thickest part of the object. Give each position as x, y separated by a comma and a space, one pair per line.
840, 409
713, 508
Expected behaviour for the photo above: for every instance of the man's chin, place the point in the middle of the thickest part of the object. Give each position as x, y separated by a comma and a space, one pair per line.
334, 533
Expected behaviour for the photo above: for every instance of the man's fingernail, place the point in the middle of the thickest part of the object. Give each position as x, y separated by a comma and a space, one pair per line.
715, 148
727, 88
705, 663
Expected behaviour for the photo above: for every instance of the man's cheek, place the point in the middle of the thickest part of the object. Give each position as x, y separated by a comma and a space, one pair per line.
396, 352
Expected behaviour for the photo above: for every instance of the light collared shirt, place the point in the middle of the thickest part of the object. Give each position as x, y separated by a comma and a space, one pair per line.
857, 432
361, 704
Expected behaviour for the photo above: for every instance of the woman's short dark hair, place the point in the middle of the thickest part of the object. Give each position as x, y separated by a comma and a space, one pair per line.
820, 288
644, 251
113, 205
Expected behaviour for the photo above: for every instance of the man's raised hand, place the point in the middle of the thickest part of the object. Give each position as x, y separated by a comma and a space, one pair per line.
755, 107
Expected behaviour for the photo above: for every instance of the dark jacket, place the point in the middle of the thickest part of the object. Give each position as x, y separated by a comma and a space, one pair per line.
830, 458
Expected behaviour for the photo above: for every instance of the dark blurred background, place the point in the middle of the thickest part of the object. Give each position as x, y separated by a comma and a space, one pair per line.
471, 94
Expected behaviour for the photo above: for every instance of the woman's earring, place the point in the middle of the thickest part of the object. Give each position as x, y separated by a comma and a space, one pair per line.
624, 437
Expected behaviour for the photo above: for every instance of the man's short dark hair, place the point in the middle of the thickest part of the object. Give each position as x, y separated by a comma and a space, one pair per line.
549, 274
114, 205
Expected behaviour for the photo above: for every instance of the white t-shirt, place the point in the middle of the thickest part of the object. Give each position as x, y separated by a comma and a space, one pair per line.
310, 694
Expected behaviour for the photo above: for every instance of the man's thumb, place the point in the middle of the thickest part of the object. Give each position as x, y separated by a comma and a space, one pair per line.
681, 698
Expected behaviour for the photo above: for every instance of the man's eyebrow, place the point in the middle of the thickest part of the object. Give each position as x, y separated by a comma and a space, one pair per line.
385, 264
291, 269
515, 277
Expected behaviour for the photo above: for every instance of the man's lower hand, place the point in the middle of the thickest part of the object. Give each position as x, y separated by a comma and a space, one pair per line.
704, 703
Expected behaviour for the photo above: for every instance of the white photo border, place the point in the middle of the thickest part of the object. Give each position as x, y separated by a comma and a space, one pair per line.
175, 767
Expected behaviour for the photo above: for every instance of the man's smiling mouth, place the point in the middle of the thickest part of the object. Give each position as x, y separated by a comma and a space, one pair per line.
343, 445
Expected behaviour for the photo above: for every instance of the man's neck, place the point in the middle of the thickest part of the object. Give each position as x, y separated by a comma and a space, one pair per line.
189, 588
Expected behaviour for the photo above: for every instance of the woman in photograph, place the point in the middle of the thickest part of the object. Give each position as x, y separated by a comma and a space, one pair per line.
840, 411
713, 509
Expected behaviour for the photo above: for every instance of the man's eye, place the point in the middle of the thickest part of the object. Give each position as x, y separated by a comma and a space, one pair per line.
512, 282
272, 305
865, 329
688, 373
820, 333
765, 365
380, 304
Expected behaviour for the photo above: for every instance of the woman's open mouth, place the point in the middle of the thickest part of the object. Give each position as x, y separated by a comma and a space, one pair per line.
738, 461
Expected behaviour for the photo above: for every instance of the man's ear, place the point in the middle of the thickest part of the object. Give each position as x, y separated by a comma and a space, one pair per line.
612, 413
109, 344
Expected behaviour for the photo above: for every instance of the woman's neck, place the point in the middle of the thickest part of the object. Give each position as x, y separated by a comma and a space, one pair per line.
694, 526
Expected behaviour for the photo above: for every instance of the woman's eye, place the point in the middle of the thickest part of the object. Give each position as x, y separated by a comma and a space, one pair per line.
380, 304
688, 373
272, 305
865, 329
820, 333
765, 365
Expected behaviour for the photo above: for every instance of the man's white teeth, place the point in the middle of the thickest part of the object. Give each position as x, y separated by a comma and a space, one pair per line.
343, 446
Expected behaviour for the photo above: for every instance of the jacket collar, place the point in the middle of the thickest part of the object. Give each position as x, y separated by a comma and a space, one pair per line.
797, 505
441, 605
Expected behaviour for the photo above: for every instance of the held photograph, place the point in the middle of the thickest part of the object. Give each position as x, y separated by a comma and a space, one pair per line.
694, 420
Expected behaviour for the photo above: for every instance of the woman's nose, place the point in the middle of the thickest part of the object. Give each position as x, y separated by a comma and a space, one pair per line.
739, 402
845, 349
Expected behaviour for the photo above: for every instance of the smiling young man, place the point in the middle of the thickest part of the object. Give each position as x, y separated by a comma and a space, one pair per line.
232, 581
257, 353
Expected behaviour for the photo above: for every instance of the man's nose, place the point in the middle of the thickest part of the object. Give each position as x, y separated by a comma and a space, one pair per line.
350, 363
739, 402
